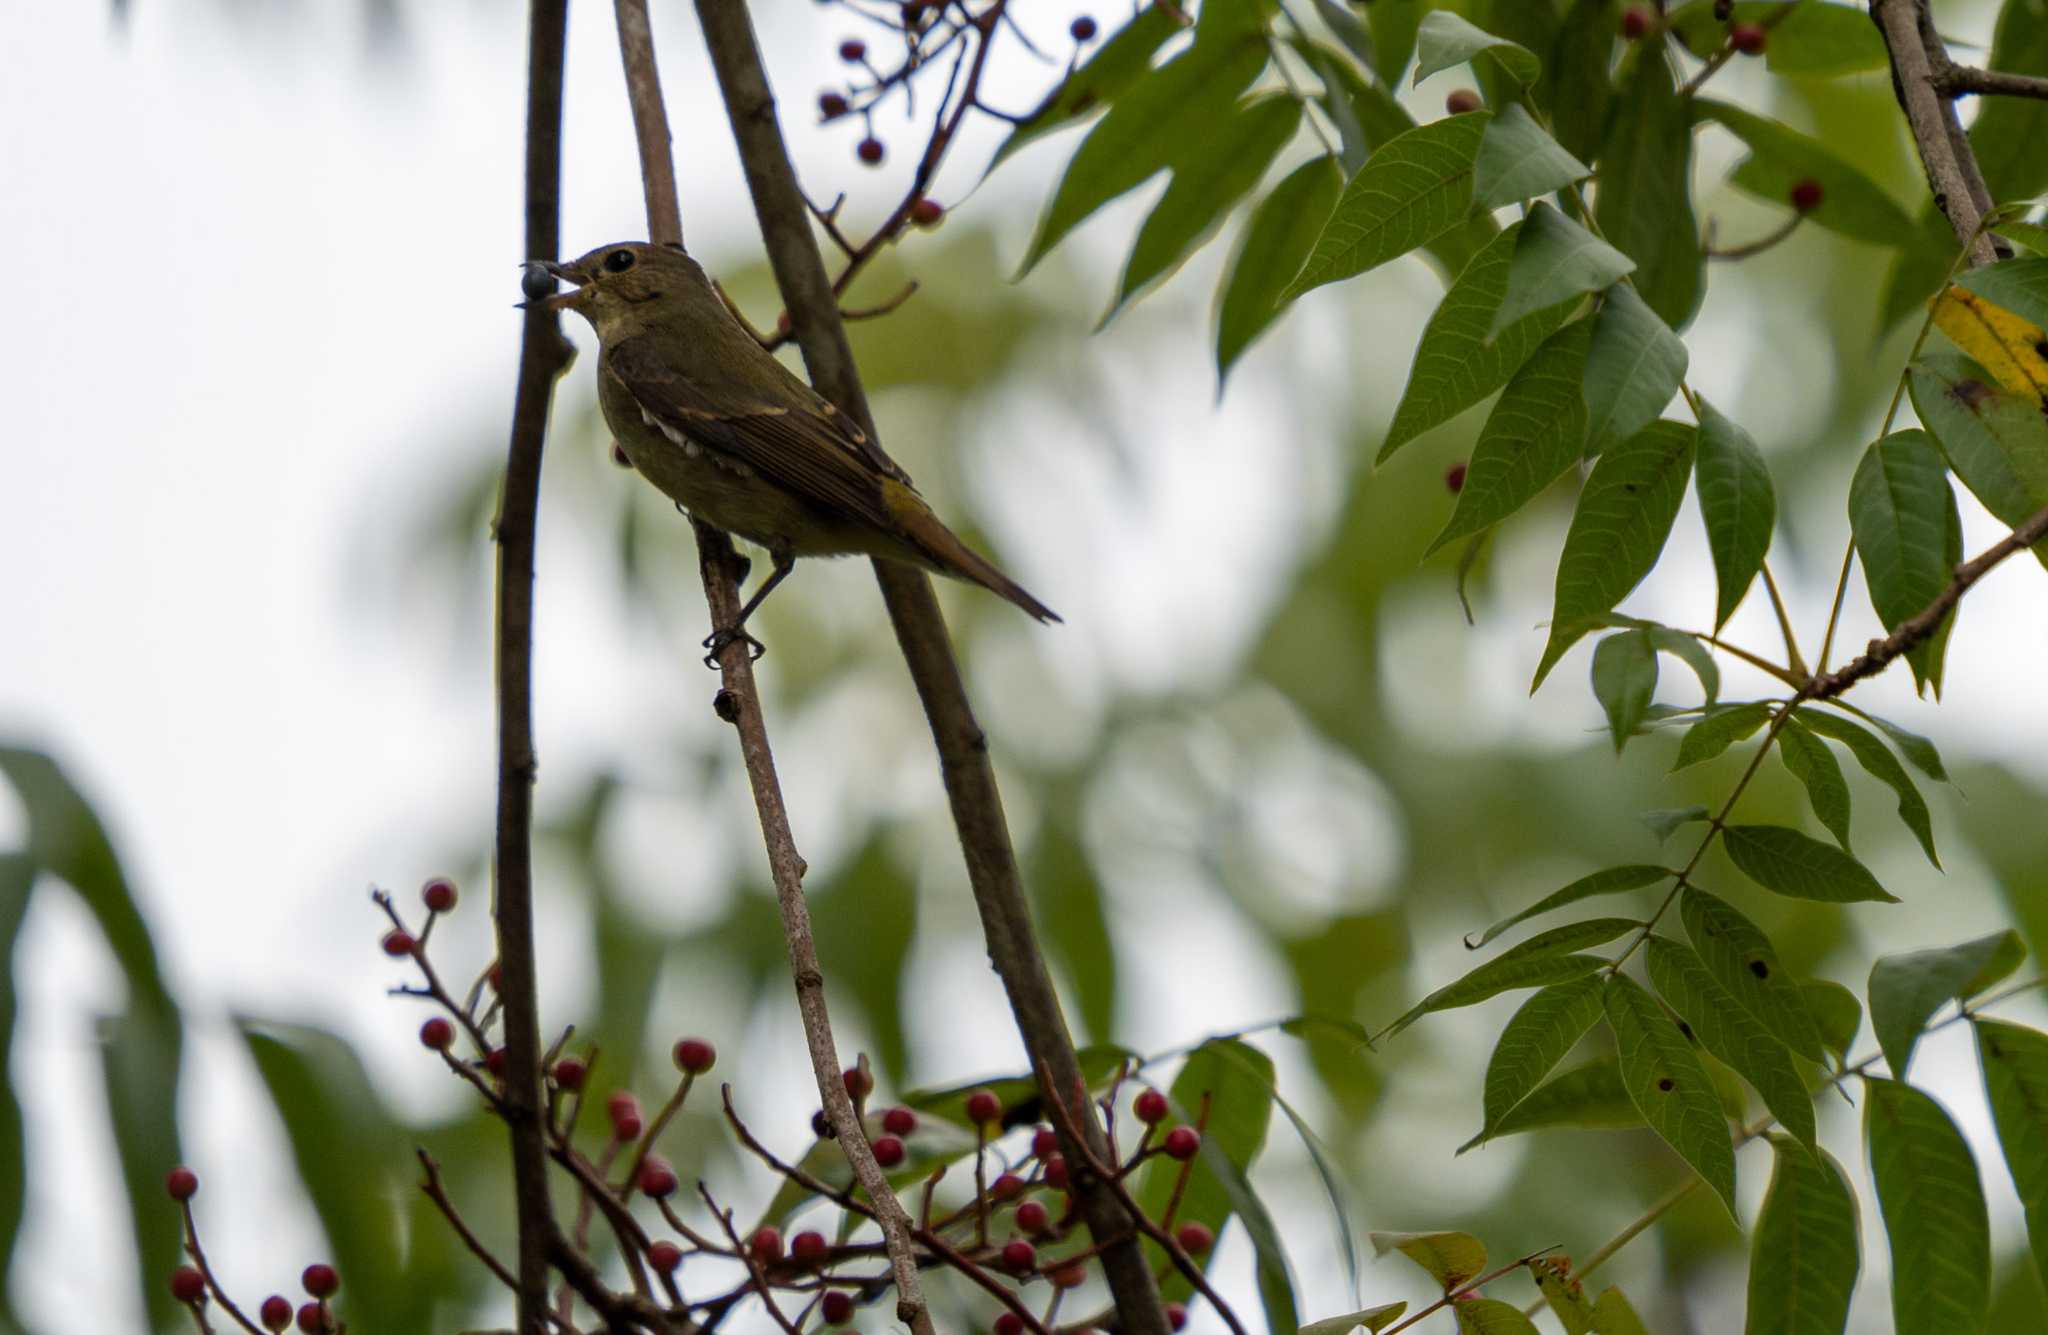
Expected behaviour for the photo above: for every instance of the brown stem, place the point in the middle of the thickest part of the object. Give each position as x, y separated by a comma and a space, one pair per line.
197, 1254
743, 709
1958, 80
543, 355
438, 1194
1918, 59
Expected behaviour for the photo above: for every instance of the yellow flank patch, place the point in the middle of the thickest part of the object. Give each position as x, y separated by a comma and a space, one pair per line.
2012, 350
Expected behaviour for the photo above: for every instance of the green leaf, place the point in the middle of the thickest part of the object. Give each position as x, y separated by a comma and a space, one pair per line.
1374, 1319
1589, 1095
1902, 514
1635, 366
1836, 1013
1451, 1259
1116, 65
1445, 39
1491, 1316
17, 880
1623, 517
1205, 185
1395, 24
1272, 249
1742, 961
1612, 1315
1665, 821
1518, 160
1719, 729
1806, 1248
1166, 118
1781, 157
1413, 190
1611, 881
2008, 132
1644, 204
1997, 442
1881, 765
1670, 1087
1624, 680
1555, 261
1933, 1207
1566, 1296
2015, 1064
2019, 285
1688, 650
2010, 954
1350, 29
1738, 504
1582, 62
1800, 866
1541, 960
1816, 768
1531, 438
1546, 1027
2029, 236
1821, 40
1906, 990
1727, 1030
1456, 365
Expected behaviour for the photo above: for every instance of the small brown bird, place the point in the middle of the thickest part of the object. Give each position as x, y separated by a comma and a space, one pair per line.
708, 415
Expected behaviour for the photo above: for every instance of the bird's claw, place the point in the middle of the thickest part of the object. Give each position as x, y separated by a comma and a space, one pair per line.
715, 644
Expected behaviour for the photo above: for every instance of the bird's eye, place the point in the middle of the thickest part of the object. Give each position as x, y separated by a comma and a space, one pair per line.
619, 261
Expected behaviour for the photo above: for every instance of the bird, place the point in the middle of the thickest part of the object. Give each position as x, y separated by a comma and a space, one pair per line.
708, 415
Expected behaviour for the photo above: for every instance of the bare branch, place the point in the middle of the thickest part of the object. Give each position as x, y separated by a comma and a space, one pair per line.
1918, 58
1962, 80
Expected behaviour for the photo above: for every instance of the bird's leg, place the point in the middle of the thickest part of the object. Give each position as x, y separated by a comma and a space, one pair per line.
717, 640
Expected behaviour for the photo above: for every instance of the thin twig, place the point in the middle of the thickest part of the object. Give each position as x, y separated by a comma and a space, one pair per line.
198, 1257
1958, 80
438, 1194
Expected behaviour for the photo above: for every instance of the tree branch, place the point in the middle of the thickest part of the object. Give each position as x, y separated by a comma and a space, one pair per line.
543, 355
1960, 80
807, 293
741, 706
1919, 60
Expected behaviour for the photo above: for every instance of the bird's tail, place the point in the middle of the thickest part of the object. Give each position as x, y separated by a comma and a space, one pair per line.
950, 556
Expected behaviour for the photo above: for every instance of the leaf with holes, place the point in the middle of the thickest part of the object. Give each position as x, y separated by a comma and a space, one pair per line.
1743, 962
1670, 1086
1728, 1031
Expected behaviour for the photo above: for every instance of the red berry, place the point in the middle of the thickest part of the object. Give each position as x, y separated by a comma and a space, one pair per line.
312, 1318
276, 1313
1019, 1256
1005, 1186
1194, 1239
181, 1182
888, 1151
657, 1179
439, 894
1150, 1106
624, 1110
926, 212
320, 1280
765, 1245
832, 105
1032, 1216
1083, 29
1044, 1144
1636, 21
694, 1056
494, 1062
398, 944
1009, 1323
859, 1084
664, 1255
870, 151
187, 1284
569, 1073
899, 1121
1462, 100
837, 1307
437, 1034
852, 50
1056, 1175
1182, 1142
1454, 478
1748, 38
809, 1247
1069, 1276
1176, 1315
495, 976
984, 1108
1807, 195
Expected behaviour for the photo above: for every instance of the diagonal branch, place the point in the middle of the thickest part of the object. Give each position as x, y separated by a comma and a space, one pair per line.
1919, 60
807, 293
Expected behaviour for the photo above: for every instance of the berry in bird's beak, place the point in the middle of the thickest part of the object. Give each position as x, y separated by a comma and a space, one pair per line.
538, 283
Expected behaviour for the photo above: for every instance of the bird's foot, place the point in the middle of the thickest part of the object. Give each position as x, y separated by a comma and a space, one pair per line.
715, 644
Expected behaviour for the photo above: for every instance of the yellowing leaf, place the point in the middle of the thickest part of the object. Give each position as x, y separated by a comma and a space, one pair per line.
2012, 350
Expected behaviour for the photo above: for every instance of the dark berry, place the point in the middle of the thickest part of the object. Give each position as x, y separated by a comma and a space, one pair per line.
276, 1313
1462, 100
1005, 1186
1748, 38
1150, 1106
1454, 478
312, 1318
809, 1246
495, 976
1032, 1216
694, 1056
984, 1108
836, 1307
899, 1121
888, 1151
870, 151
437, 1034
1807, 195
1056, 1175
1176, 1315
439, 894
187, 1284
494, 1062
859, 1084
320, 1280
1083, 29
926, 212
569, 1073
853, 50
832, 105
1019, 1256
1009, 1323
664, 1255
181, 1182
398, 944
1044, 1143
1194, 1239
765, 1246
657, 1179
821, 1126
1182, 1142
1636, 21
624, 1110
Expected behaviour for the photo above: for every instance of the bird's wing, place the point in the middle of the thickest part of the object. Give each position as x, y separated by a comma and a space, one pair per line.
802, 443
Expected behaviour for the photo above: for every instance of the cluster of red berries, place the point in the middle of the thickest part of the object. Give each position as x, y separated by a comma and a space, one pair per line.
191, 1285
1750, 39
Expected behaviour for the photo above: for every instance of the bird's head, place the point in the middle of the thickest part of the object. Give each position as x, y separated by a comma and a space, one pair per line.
623, 284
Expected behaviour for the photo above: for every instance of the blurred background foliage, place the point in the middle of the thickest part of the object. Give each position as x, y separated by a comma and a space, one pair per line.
1298, 805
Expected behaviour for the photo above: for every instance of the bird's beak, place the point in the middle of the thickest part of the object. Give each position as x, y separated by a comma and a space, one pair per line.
559, 301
